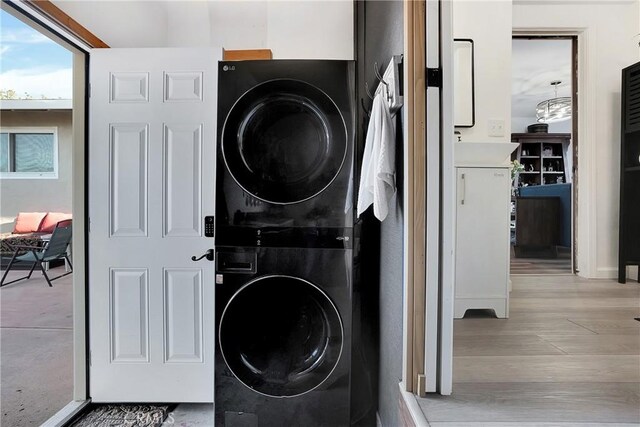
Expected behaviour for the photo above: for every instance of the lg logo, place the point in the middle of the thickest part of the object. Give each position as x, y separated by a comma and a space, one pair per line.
228, 67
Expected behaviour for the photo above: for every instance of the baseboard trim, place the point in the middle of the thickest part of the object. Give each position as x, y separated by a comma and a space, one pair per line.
606, 273
409, 399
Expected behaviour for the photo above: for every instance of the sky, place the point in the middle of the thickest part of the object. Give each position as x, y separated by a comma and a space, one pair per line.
32, 63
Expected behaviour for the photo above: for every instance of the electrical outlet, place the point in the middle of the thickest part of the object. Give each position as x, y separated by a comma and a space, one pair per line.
496, 127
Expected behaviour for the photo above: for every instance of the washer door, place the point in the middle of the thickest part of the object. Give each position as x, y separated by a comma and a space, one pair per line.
281, 336
284, 141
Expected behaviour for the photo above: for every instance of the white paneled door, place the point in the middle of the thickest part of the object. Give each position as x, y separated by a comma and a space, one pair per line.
151, 182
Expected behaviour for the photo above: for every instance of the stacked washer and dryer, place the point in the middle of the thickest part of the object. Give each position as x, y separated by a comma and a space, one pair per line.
284, 235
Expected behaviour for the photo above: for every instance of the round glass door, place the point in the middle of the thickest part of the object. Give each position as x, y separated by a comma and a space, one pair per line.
284, 141
281, 336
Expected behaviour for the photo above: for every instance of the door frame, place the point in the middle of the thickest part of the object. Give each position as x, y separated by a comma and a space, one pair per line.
74, 40
414, 207
575, 108
429, 240
583, 121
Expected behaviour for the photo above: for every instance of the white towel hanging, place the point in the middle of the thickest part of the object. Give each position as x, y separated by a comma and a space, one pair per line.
377, 179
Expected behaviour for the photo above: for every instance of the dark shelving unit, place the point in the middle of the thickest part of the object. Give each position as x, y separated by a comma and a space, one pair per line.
541, 154
629, 249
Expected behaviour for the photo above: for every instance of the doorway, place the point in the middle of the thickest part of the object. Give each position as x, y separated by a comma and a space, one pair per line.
43, 139
544, 77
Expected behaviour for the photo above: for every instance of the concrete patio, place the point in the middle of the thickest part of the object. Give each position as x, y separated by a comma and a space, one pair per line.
36, 348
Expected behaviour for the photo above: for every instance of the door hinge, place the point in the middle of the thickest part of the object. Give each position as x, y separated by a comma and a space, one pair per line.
434, 77
89, 357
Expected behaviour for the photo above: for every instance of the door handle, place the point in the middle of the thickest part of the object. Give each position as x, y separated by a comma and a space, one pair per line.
208, 255
464, 190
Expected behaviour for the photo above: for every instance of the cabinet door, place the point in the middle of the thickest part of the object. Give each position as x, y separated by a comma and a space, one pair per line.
631, 212
482, 235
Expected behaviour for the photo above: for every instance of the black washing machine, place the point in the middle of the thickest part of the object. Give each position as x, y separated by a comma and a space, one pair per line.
285, 301
285, 150
283, 349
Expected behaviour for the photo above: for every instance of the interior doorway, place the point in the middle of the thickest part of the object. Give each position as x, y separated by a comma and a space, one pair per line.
544, 172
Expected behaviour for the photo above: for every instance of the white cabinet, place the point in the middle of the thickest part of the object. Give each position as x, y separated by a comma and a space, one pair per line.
482, 239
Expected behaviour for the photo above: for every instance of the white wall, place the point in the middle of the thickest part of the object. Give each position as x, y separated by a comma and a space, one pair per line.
309, 29
488, 23
239, 26
306, 29
607, 43
121, 23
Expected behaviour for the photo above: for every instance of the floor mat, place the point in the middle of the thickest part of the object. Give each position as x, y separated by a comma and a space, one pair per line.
132, 415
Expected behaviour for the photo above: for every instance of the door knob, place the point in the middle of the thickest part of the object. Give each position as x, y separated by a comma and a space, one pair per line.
208, 255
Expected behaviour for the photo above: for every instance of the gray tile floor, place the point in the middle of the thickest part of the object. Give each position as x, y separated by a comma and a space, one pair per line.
569, 355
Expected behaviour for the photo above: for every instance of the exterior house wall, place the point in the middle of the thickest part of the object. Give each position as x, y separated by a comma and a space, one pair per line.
607, 43
38, 195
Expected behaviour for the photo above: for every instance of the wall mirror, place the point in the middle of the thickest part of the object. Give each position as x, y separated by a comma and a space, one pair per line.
463, 89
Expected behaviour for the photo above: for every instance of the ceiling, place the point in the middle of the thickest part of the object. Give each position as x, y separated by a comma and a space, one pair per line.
535, 64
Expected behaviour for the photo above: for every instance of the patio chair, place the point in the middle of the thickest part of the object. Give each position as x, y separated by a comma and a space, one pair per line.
55, 248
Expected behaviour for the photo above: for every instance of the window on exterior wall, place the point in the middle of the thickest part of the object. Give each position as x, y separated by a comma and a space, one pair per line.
28, 153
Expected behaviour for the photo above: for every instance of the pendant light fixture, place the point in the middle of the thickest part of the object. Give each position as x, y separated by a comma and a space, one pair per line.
554, 109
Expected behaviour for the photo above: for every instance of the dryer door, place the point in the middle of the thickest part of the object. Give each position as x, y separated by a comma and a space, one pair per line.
281, 336
284, 141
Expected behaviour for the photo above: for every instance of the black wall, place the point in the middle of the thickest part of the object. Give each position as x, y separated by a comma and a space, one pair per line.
380, 36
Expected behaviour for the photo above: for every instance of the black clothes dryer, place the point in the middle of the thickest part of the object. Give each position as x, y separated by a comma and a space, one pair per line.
285, 149
283, 349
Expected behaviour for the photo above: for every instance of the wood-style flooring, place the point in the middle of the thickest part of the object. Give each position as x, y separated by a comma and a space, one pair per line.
540, 266
557, 265
569, 355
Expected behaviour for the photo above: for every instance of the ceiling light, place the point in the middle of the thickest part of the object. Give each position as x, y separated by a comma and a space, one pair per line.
554, 109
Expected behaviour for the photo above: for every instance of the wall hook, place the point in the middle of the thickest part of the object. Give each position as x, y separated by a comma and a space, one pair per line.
367, 113
366, 88
378, 75
376, 71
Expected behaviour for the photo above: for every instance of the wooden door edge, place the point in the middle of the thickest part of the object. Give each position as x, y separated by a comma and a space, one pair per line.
415, 179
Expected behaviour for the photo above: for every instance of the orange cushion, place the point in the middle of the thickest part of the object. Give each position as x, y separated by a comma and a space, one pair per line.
50, 221
28, 222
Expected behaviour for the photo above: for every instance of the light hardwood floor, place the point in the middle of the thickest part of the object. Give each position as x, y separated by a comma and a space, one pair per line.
568, 355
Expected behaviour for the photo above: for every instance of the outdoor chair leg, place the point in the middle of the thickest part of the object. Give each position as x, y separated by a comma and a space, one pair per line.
49, 280
66, 257
32, 268
2, 283
6, 271
44, 273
